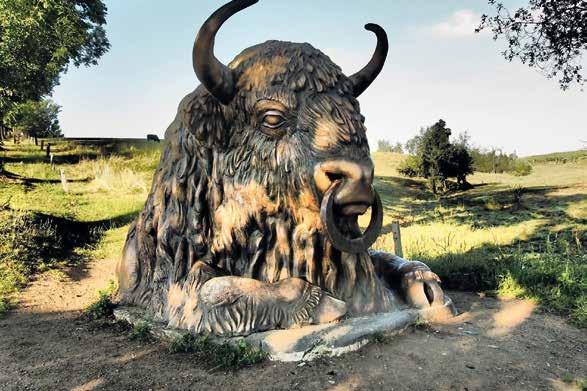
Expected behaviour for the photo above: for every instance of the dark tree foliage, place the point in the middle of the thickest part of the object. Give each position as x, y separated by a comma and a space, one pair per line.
459, 164
412, 144
436, 159
38, 41
36, 118
548, 34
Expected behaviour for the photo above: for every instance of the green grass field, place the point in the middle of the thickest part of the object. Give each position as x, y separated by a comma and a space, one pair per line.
508, 235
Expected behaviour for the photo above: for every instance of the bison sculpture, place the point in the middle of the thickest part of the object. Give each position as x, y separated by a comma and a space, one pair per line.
251, 221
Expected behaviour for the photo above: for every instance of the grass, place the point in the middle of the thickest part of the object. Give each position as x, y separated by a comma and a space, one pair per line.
521, 236
227, 356
515, 236
558, 157
41, 227
141, 332
104, 306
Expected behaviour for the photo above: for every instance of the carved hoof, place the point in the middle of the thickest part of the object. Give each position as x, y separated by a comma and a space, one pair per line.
421, 286
239, 306
328, 310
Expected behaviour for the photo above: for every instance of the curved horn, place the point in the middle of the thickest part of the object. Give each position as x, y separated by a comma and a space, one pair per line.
215, 76
362, 79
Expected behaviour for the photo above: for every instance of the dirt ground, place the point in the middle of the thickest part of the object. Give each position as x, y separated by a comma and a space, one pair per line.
492, 345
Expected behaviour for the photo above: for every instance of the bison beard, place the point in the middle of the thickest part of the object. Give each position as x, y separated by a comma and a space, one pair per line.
230, 240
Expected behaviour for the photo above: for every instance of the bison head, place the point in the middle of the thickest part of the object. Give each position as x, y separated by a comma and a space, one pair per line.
293, 126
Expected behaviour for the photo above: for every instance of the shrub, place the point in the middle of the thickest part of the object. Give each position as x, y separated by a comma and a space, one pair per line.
521, 168
219, 356
4, 306
410, 166
141, 332
496, 161
436, 159
104, 306
28, 243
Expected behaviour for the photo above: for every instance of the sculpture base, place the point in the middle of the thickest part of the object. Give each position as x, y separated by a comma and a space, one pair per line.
308, 342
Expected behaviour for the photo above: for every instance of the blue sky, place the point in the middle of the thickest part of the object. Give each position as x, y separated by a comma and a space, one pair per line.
436, 68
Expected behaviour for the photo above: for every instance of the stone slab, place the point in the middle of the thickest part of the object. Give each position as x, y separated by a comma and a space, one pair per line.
308, 342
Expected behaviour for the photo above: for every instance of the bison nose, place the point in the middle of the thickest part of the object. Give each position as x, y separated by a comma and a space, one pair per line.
355, 192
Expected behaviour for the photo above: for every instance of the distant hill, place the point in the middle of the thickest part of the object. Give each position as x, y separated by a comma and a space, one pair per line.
558, 157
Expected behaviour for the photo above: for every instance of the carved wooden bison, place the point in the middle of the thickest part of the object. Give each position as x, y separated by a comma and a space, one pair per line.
251, 222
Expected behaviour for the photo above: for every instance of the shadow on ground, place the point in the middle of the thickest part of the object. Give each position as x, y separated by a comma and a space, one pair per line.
492, 345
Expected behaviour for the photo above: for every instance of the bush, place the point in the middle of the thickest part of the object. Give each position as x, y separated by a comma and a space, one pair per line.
104, 306
141, 332
436, 159
521, 168
4, 306
410, 166
496, 161
28, 243
219, 356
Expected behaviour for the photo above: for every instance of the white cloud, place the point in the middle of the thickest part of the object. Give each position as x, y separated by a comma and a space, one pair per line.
461, 23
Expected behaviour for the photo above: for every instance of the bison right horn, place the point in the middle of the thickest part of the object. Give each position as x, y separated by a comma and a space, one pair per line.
363, 78
215, 76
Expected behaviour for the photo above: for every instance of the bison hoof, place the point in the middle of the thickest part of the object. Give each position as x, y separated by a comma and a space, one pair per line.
328, 310
239, 306
421, 286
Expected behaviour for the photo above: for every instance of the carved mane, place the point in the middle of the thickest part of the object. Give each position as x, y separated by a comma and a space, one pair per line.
246, 212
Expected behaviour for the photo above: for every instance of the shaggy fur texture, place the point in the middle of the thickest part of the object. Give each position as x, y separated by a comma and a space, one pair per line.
230, 198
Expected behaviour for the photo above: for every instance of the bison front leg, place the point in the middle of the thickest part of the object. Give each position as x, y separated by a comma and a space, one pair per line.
414, 280
233, 305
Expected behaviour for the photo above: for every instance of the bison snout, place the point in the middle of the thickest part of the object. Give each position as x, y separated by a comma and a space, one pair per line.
355, 191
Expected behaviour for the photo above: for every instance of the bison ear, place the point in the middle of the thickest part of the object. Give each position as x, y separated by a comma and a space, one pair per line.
363, 78
215, 76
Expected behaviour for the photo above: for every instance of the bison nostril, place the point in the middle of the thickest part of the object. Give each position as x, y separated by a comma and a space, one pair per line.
354, 178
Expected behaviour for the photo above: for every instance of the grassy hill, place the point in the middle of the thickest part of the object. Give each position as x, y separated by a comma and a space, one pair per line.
558, 157
509, 235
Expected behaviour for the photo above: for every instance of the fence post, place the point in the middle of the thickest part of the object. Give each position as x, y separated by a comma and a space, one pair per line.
42, 144
64, 181
397, 239
48, 149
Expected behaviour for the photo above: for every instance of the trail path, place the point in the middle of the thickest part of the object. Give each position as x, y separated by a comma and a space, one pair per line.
492, 345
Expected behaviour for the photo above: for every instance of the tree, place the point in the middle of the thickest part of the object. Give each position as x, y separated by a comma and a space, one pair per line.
434, 149
38, 41
398, 148
548, 34
412, 144
460, 164
36, 118
385, 146
436, 159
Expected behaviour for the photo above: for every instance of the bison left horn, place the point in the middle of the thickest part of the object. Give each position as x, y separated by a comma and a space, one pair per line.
363, 79
215, 76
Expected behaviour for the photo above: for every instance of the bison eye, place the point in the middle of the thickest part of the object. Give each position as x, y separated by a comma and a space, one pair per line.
273, 119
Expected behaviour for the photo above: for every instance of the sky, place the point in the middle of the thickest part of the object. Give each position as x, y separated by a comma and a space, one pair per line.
437, 67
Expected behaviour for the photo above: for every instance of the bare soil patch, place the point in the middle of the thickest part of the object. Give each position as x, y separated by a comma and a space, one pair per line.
492, 345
